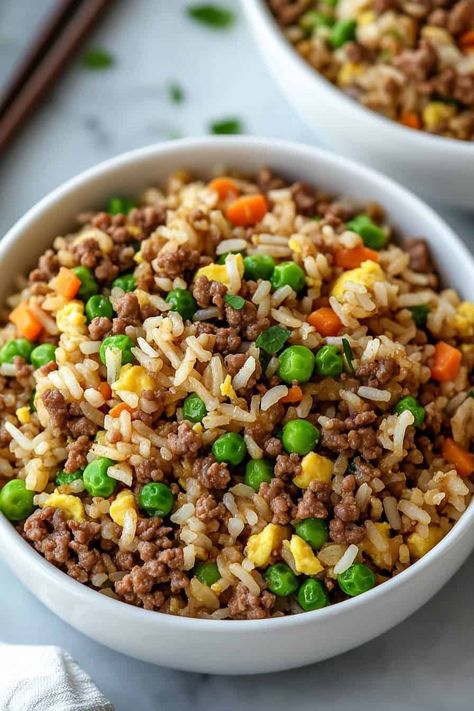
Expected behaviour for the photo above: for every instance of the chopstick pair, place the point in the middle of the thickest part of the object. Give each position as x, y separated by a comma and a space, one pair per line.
65, 30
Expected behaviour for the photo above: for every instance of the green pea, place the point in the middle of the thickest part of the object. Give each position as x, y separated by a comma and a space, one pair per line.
194, 408
89, 286
18, 347
372, 235
312, 595
43, 354
419, 314
288, 274
207, 573
258, 471
123, 343
312, 530
230, 448
183, 302
410, 403
296, 363
96, 480
67, 477
258, 266
342, 31
127, 282
329, 361
97, 306
300, 436
16, 502
120, 205
281, 580
357, 579
313, 19
156, 499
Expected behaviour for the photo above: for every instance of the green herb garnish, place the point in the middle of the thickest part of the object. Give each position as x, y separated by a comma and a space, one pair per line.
273, 339
212, 15
348, 355
471, 393
176, 93
419, 314
237, 302
226, 126
96, 58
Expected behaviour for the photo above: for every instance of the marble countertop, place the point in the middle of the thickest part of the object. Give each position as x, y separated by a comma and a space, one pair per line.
424, 663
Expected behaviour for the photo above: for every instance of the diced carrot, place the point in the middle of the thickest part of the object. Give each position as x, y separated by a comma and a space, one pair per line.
295, 394
458, 457
247, 210
325, 321
353, 258
117, 409
446, 364
105, 390
411, 119
67, 283
27, 325
226, 188
466, 41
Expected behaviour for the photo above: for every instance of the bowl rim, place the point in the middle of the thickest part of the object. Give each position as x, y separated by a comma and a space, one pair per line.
379, 121
14, 541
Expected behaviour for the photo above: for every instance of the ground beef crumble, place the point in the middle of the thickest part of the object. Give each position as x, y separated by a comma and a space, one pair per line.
243, 605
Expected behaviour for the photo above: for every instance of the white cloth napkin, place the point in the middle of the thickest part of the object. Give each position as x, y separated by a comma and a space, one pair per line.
45, 679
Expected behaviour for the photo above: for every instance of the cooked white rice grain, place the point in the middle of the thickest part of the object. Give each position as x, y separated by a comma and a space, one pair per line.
346, 560
374, 394
242, 377
273, 396
414, 512
245, 577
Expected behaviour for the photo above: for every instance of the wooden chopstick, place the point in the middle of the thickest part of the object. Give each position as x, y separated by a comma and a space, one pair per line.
48, 34
45, 61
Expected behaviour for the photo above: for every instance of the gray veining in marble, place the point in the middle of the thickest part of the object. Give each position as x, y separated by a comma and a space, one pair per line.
424, 663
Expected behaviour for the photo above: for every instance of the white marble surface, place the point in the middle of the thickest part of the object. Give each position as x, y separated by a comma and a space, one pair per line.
426, 662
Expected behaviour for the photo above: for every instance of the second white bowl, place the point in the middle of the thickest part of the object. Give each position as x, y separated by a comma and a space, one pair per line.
441, 169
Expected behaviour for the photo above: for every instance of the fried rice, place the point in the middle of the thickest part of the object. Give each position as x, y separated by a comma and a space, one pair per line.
206, 503
413, 62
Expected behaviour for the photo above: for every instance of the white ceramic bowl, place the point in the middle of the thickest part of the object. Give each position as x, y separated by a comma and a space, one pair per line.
441, 169
243, 646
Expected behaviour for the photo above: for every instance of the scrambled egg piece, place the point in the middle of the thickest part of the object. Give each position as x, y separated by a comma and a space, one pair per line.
133, 378
377, 556
218, 272
366, 18
226, 388
260, 545
348, 72
418, 546
70, 318
436, 112
305, 560
367, 274
138, 258
23, 414
464, 319
314, 466
124, 501
70, 504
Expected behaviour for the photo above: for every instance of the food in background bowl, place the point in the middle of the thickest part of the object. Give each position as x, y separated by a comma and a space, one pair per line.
412, 62
240, 399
